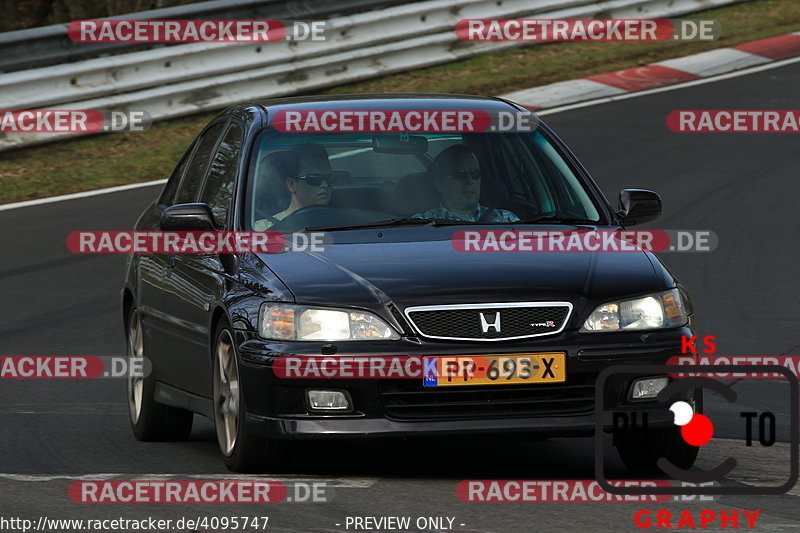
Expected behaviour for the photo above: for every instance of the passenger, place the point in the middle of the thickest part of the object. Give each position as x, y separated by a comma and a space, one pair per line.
457, 176
307, 175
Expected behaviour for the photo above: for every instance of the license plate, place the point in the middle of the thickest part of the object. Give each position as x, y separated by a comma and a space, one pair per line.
495, 369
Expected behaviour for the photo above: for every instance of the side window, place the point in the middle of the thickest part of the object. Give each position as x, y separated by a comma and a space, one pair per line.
570, 193
513, 170
197, 165
168, 194
218, 189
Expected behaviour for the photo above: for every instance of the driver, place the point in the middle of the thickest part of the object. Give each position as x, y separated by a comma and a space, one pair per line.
308, 177
457, 176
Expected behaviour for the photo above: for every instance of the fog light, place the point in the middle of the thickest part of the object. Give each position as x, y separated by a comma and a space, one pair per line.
328, 400
647, 388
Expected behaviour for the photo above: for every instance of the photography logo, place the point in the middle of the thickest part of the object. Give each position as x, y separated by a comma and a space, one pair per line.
645, 422
696, 429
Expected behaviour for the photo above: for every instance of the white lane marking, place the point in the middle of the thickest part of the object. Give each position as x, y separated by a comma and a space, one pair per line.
76, 195
64, 408
41, 477
729, 75
551, 111
340, 482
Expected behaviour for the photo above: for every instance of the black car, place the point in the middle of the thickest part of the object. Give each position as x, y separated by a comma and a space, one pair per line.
390, 282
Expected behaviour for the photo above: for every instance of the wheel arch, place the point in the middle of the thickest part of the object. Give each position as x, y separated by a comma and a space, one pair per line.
216, 317
127, 305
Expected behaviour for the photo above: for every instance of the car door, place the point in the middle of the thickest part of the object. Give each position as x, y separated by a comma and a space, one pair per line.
195, 282
151, 269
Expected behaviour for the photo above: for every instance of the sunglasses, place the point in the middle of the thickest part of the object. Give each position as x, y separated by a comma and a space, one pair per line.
315, 179
463, 175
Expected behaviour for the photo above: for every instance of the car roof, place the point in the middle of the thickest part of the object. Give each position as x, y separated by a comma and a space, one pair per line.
398, 101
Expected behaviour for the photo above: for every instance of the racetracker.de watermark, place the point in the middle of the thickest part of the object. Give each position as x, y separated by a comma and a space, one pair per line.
435, 370
200, 491
549, 30
403, 121
72, 367
734, 120
194, 31
554, 490
738, 362
177, 492
74, 120
195, 242
584, 240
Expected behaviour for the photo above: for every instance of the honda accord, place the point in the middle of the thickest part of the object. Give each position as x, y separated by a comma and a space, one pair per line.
393, 281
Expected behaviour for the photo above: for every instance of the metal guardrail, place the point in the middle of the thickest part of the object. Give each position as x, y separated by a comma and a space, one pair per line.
49, 45
189, 78
169, 65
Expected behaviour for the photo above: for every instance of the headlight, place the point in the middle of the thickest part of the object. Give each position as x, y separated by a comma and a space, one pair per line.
302, 323
662, 310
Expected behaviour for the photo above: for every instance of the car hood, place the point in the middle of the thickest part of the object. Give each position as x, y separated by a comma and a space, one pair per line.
429, 272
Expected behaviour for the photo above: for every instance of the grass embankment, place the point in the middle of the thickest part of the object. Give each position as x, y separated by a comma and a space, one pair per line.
121, 158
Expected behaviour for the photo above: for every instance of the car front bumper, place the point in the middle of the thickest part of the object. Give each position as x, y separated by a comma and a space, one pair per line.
277, 408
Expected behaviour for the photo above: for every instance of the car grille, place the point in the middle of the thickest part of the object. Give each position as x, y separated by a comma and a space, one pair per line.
407, 401
477, 322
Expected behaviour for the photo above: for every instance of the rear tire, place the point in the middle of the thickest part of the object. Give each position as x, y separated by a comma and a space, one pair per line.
242, 449
150, 420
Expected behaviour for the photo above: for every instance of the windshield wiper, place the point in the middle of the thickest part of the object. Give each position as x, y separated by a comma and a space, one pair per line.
393, 222
551, 219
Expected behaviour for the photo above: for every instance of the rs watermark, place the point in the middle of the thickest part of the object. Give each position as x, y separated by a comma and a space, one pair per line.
74, 121
432, 370
195, 242
193, 31
403, 121
564, 490
584, 240
72, 367
738, 362
199, 492
734, 121
549, 30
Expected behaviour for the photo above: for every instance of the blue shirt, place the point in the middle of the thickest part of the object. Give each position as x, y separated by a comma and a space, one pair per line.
497, 215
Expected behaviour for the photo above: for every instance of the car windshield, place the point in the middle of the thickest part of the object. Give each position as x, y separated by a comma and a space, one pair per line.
350, 180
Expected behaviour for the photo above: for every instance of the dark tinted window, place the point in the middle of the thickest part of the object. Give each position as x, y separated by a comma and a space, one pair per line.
198, 164
221, 174
380, 176
168, 194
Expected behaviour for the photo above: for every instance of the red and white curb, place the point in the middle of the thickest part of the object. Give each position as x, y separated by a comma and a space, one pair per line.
660, 74
594, 88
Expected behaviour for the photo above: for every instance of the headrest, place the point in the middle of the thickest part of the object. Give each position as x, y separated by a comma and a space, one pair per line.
273, 169
415, 193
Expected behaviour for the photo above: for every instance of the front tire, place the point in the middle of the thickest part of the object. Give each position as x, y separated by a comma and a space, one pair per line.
150, 420
641, 449
242, 449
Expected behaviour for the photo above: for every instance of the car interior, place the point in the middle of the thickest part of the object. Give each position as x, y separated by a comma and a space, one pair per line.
387, 178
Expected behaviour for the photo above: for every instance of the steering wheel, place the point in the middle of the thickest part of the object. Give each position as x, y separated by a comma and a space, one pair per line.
306, 209
487, 214
282, 224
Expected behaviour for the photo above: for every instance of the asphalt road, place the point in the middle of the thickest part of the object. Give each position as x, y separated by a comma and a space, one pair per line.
741, 186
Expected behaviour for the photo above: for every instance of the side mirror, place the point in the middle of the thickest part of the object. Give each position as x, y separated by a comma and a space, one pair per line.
637, 206
187, 217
